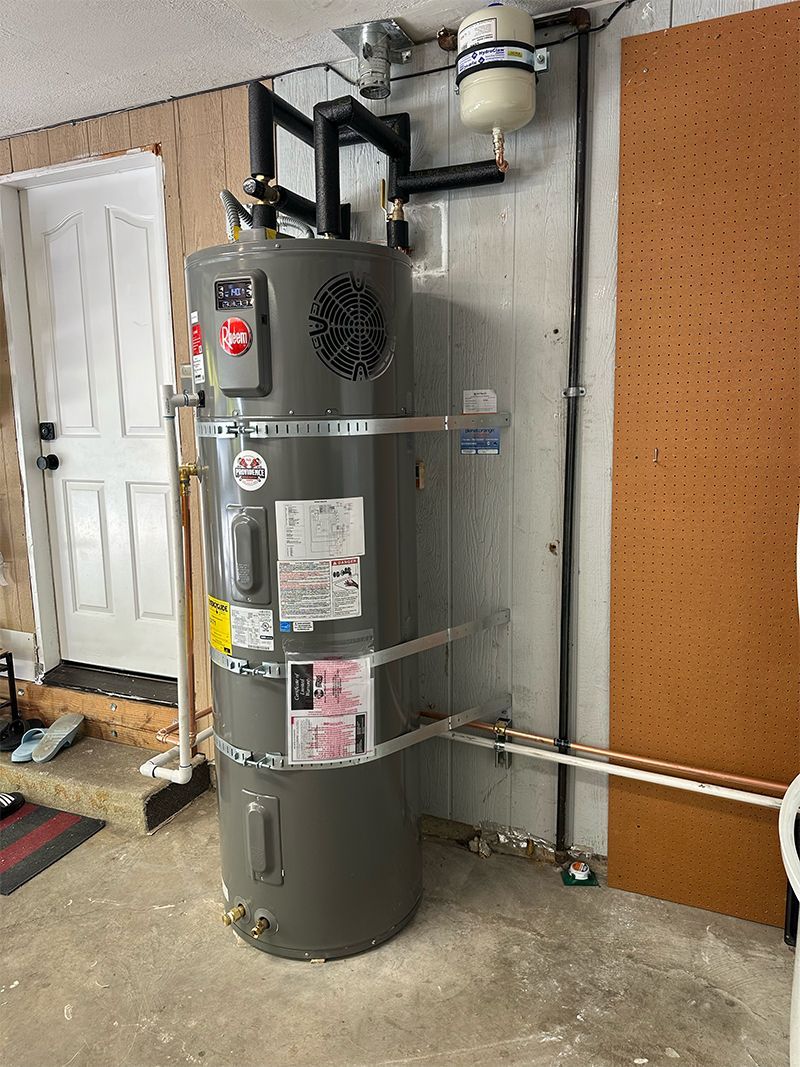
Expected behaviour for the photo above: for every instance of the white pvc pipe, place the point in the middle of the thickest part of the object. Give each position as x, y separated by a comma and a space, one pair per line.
721, 791
153, 768
791, 861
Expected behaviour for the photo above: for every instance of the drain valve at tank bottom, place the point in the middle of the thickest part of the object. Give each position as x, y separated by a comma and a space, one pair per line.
234, 915
261, 925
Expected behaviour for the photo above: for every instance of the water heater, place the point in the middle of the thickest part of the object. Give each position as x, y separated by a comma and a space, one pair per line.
298, 347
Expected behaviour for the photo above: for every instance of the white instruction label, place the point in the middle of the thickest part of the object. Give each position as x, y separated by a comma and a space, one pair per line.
479, 401
198, 359
320, 529
303, 626
477, 33
252, 628
249, 470
329, 710
319, 589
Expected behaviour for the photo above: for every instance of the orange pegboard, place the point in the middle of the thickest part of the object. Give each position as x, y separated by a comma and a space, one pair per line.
704, 633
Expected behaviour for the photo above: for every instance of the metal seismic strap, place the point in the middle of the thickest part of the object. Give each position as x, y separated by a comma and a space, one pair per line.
277, 761
265, 429
377, 659
441, 637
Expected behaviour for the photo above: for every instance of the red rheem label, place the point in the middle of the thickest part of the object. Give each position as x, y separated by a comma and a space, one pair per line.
235, 336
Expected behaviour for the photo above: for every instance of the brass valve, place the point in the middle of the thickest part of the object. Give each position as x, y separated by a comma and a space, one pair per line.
234, 915
187, 471
261, 925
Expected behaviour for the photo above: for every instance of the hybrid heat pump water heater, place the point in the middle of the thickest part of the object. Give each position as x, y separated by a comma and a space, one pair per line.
304, 385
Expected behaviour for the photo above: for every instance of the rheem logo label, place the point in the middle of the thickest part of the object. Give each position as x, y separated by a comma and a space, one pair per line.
235, 336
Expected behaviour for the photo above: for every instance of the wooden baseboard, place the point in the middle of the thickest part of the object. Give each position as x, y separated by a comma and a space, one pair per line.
128, 722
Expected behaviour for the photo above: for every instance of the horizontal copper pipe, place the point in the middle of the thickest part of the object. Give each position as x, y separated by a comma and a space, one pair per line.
164, 733
682, 770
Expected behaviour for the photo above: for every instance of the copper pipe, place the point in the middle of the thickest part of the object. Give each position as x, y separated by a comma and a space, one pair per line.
186, 471
682, 770
165, 732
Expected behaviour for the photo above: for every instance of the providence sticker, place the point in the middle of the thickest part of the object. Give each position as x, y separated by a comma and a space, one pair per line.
249, 471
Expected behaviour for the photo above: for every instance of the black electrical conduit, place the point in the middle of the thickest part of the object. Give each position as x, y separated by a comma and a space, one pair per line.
582, 22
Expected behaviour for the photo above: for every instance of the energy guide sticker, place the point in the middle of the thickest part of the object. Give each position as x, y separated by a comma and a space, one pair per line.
329, 710
219, 625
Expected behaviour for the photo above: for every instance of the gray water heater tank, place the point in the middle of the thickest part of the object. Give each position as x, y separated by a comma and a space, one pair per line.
309, 536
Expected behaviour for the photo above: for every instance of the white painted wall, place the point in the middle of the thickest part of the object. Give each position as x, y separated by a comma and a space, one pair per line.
492, 309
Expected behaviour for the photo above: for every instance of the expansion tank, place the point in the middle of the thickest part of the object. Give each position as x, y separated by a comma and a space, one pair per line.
311, 333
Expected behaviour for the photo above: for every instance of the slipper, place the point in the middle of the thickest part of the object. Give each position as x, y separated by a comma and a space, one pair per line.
9, 803
63, 732
24, 751
12, 731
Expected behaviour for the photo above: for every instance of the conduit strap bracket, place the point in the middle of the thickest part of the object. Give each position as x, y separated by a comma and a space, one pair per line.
324, 426
378, 659
277, 761
502, 757
573, 391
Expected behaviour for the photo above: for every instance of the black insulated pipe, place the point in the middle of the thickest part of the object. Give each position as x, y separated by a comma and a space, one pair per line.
329, 118
261, 128
292, 204
459, 176
572, 400
399, 168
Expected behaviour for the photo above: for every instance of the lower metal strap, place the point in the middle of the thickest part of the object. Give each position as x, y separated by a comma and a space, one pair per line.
277, 761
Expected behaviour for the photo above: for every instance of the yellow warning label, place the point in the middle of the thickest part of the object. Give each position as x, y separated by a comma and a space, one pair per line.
219, 625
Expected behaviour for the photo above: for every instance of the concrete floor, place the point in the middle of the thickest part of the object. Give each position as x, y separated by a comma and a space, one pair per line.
116, 955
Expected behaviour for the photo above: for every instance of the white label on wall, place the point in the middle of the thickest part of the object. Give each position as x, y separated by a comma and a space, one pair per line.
319, 589
320, 529
480, 401
477, 33
329, 710
252, 628
249, 470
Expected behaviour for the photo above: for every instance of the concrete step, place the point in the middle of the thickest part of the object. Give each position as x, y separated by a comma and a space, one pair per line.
101, 779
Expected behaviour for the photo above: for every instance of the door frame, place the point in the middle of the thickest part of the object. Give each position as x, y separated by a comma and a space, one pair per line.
47, 647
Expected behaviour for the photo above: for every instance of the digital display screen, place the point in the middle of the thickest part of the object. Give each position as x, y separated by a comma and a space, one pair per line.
234, 293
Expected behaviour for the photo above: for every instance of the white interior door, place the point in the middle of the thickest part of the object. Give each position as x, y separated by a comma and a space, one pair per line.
95, 260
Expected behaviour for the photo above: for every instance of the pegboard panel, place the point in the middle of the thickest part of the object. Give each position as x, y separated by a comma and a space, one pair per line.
704, 635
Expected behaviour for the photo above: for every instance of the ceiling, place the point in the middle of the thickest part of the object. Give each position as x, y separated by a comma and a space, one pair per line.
69, 59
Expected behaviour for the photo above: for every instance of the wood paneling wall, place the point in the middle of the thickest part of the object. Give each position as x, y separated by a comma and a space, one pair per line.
203, 144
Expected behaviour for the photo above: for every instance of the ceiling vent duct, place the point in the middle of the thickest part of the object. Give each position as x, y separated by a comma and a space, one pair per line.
378, 45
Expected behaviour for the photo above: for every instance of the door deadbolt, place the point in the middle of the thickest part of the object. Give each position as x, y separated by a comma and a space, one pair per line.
48, 463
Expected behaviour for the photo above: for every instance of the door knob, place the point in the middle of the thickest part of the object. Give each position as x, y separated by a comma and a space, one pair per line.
48, 463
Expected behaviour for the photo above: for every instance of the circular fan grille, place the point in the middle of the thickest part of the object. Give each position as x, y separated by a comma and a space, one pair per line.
348, 328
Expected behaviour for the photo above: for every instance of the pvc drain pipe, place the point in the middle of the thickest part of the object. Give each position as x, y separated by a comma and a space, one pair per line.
721, 791
153, 768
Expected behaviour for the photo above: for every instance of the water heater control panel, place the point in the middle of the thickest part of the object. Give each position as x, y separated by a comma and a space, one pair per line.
241, 312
